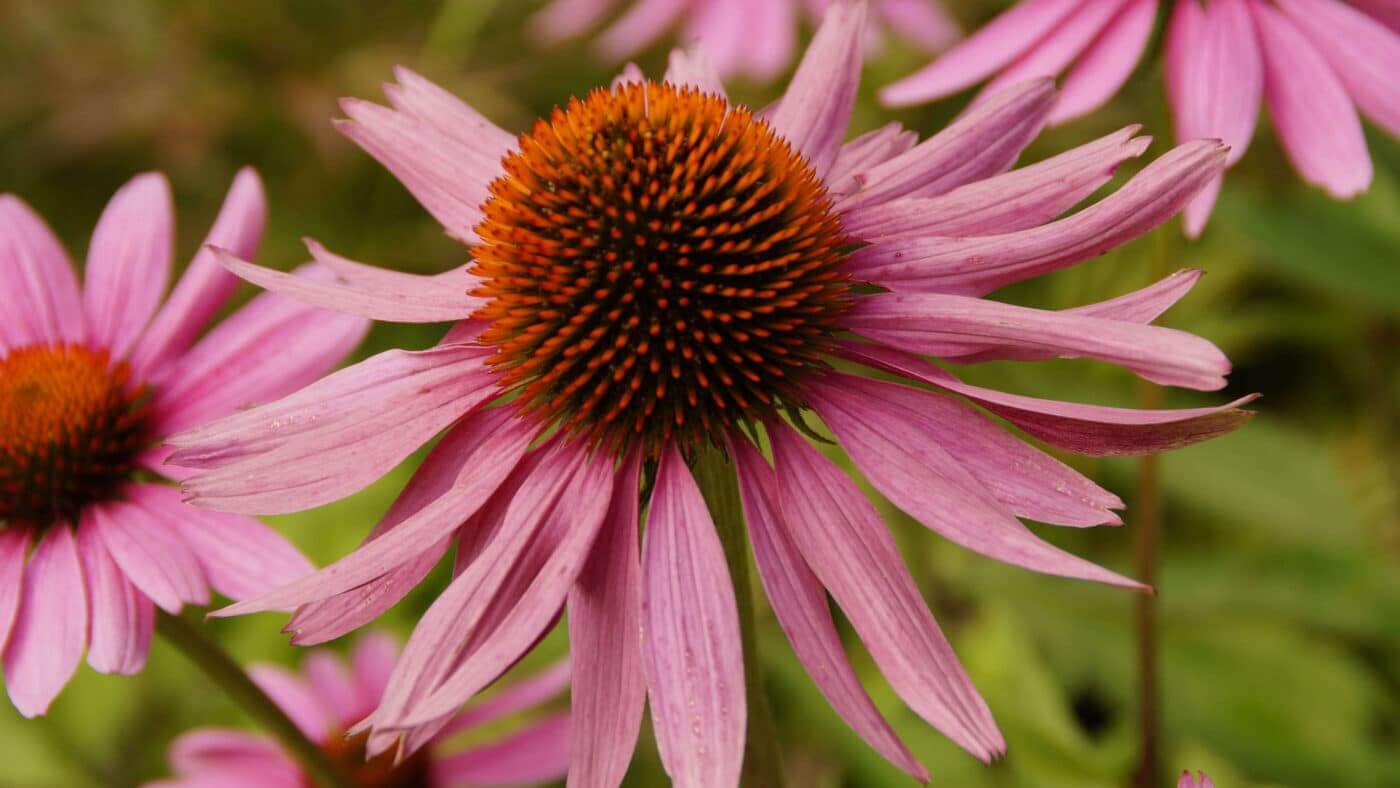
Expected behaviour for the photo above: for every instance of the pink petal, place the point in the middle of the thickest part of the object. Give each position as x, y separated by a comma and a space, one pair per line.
1015, 200
901, 454
693, 659
1023, 480
218, 753
269, 348
1061, 45
480, 453
1313, 115
563, 19
979, 265
536, 754
277, 463
372, 660
982, 142
448, 115
866, 151
723, 31
768, 38
205, 285
1197, 211
1083, 429
922, 22
143, 538
800, 603
631, 74
849, 549
816, 109
122, 617
1364, 53
334, 688
1387, 12
41, 290
693, 68
327, 619
14, 548
241, 556
1216, 75
938, 325
605, 632
519, 696
128, 262
1105, 67
51, 626
982, 53
642, 23
294, 697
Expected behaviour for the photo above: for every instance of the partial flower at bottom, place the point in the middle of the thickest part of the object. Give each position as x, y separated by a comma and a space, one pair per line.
91, 381
330, 696
658, 275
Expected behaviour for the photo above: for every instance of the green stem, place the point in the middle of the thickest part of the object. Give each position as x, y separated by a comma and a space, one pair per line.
219, 668
763, 763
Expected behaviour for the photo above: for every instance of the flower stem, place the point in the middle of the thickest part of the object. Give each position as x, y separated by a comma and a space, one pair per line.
763, 764
219, 668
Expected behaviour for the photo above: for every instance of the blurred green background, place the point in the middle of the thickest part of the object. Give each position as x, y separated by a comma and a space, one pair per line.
1280, 586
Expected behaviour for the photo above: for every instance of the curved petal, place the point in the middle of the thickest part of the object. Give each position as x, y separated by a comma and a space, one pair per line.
141, 537
122, 617
241, 556
691, 652
37, 279
128, 262
519, 696
816, 109
866, 151
1364, 53
233, 754
14, 549
1108, 62
294, 697
799, 602
50, 631
849, 549
205, 285
1061, 45
537, 753
419, 98
1216, 75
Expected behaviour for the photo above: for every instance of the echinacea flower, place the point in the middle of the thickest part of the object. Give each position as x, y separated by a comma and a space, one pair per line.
657, 274
1201, 780
753, 38
329, 697
1313, 63
91, 381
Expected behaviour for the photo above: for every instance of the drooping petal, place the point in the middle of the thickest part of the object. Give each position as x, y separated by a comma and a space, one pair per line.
128, 262
843, 540
1084, 429
979, 56
14, 549
122, 617
535, 754
816, 109
979, 265
46, 643
1015, 200
605, 634
693, 67
1219, 76
42, 301
294, 697
799, 602
691, 651
1108, 62
982, 142
205, 285
327, 619
141, 536
948, 325
212, 754
1313, 115
479, 454
1363, 52
1060, 46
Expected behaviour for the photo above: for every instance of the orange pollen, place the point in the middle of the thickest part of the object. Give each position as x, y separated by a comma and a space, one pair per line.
348, 755
659, 266
70, 430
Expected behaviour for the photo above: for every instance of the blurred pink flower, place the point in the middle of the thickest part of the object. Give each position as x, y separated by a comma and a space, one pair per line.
327, 699
657, 271
1314, 63
91, 380
1199, 781
754, 38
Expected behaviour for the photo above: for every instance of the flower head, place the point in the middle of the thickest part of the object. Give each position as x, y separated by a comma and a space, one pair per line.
1313, 63
330, 696
91, 381
660, 278
753, 38
1201, 780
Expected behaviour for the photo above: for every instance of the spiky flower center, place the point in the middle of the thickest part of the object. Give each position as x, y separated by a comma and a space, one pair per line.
70, 430
659, 265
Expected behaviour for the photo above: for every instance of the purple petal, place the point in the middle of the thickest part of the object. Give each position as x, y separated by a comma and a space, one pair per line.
816, 109
691, 652
1364, 53
1015, 200
128, 262
122, 617
924, 23
1084, 429
41, 291
539, 753
143, 538
14, 549
975, 266
1216, 75
1105, 67
51, 626
520, 696
334, 687
768, 38
205, 285
1061, 45
372, 660
979, 56
866, 151
327, 619
605, 632
294, 697
241, 556
799, 602
1313, 115
218, 753
849, 549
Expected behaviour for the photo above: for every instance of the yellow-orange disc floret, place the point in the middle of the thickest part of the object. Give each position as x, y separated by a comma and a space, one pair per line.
659, 265
70, 430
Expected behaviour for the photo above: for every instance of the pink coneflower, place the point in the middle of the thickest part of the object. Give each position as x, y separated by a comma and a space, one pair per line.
753, 38
1201, 780
1314, 63
91, 381
657, 275
329, 697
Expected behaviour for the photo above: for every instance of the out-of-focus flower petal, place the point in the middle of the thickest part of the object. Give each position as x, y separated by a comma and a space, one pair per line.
1106, 65
1364, 53
536, 754
42, 300
816, 109
46, 643
128, 262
